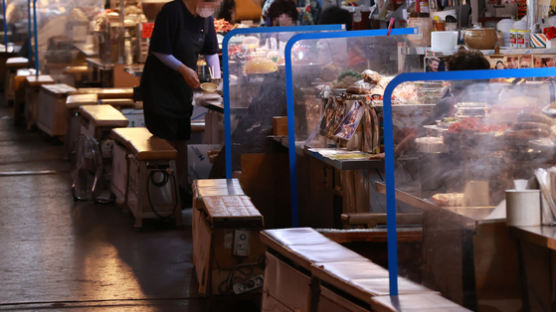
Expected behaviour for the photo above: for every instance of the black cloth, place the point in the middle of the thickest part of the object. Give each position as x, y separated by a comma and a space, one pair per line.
168, 128
165, 93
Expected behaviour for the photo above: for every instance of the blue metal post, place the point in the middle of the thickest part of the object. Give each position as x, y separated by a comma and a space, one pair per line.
5, 25
227, 109
392, 242
36, 33
29, 32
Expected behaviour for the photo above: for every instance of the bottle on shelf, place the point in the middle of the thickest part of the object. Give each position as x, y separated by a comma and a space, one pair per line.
437, 24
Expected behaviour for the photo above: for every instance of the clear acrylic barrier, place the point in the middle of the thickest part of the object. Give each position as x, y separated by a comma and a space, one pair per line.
254, 87
58, 25
455, 163
335, 84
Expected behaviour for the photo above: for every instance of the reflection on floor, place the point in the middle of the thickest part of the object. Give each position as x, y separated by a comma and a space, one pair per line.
57, 254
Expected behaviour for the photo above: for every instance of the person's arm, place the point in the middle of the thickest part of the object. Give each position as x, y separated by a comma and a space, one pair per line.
189, 75
168, 60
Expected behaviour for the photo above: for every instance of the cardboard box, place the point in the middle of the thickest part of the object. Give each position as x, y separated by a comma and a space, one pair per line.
280, 125
53, 114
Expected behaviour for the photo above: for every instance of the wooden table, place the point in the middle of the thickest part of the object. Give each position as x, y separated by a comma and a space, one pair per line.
537, 257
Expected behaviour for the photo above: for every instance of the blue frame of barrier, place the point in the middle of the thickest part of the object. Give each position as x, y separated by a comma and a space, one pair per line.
226, 74
389, 140
29, 32
5, 25
36, 33
392, 257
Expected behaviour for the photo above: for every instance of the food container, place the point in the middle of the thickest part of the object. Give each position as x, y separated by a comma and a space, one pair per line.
444, 41
481, 38
523, 208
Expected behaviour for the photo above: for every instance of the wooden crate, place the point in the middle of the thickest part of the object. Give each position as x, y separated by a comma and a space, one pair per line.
227, 252
286, 285
53, 115
32, 99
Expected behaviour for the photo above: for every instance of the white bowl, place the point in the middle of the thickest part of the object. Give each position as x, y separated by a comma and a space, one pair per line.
444, 41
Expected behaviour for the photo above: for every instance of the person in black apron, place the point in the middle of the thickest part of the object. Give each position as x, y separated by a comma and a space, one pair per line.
183, 30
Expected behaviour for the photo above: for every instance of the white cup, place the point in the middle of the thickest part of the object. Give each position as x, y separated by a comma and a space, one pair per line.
520, 184
523, 207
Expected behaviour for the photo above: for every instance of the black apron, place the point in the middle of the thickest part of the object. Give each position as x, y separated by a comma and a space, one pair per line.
167, 98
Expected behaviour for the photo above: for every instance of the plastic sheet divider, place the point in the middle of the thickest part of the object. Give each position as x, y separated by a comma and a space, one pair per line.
226, 75
389, 139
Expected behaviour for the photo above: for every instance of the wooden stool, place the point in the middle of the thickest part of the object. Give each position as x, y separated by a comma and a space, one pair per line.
13, 64
78, 73
138, 158
53, 115
226, 245
32, 99
119, 103
96, 123
73, 127
202, 189
108, 93
19, 93
98, 120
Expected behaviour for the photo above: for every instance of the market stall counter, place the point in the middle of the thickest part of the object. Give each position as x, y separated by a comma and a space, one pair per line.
307, 271
214, 118
537, 247
488, 129
335, 87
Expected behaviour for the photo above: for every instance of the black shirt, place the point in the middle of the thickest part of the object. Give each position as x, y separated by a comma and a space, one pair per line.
180, 33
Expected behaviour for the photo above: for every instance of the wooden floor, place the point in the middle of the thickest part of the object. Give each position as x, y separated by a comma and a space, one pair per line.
61, 255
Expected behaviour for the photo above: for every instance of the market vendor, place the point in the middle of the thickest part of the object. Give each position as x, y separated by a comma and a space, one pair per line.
183, 30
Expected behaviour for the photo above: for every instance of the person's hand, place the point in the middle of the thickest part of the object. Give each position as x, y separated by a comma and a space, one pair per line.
190, 76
